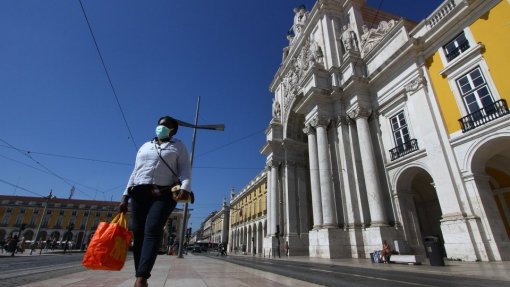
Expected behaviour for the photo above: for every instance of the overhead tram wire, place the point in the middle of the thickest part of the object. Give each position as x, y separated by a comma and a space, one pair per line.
36, 161
108, 75
22, 188
376, 13
74, 157
232, 142
45, 168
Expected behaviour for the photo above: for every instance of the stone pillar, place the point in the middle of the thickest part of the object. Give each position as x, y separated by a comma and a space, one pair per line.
275, 208
491, 240
314, 176
328, 200
268, 199
290, 198
348, 207
373, 186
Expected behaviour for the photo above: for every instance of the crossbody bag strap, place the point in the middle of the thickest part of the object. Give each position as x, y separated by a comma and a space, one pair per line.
164, 161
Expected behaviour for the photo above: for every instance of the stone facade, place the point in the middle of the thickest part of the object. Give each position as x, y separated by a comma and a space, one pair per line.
358, 151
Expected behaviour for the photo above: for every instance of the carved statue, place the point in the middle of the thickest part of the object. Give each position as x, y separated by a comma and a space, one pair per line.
300, 15
349, 39
276, 109
316, 54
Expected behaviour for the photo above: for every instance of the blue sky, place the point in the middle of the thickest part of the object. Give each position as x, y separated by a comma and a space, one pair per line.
60, 122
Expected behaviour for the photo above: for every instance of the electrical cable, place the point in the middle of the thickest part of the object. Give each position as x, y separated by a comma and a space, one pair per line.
74, 157
19, 187
232, 142
108, 76
45, 169
376, 13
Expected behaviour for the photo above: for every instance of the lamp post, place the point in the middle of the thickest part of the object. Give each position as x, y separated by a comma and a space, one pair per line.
48, 198
217, 127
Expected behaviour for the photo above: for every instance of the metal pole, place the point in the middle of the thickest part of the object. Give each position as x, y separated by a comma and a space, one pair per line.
84, 237
185, 216
40, 222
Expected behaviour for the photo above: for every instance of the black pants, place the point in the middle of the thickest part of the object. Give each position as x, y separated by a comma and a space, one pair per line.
149, 215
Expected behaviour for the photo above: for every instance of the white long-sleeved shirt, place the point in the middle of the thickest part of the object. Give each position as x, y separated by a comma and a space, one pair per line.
150, 169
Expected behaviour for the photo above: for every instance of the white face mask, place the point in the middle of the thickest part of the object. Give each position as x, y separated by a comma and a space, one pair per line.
162, 132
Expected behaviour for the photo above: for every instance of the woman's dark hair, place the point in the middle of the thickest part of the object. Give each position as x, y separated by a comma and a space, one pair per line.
170, 123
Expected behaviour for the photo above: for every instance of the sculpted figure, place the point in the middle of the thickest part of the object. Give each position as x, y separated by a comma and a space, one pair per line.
371, 37
349, 39
368, 39
300, 15
276, 109
316, 53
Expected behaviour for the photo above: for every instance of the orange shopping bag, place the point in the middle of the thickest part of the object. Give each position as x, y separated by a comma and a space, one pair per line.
109, 245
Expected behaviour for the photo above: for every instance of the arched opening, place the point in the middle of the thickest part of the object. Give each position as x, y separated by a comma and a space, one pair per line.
420, 209
491, 170
28, 235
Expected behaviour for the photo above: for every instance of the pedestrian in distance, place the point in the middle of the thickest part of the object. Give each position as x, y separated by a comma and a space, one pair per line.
13, 244
160, 165
385, 252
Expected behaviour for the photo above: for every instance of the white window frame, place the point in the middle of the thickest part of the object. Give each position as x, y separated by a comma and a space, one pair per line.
472, 46
392, 108
457, 45
399, 130
473, 91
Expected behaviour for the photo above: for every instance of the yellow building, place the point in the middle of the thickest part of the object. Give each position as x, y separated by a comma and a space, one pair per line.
248, 217
468, 69
53, 217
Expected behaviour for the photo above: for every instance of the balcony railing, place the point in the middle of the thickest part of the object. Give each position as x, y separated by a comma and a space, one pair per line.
403, 149
484, 115
457, 51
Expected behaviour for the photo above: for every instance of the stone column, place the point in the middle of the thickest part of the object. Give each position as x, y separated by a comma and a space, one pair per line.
328, 200
275, 214
373, 186
314, 176
348, 207
269, 212
290, 198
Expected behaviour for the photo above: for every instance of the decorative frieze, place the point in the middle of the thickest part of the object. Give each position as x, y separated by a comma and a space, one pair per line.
372, 36
416, 84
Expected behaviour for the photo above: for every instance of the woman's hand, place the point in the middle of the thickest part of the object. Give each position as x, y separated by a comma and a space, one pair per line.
123, 206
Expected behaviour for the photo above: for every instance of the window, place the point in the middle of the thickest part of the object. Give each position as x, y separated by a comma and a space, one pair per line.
404, 143
454, 48
399, 128
474, 91
6, 217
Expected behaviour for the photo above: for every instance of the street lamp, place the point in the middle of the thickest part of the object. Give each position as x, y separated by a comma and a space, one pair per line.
218, 127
